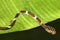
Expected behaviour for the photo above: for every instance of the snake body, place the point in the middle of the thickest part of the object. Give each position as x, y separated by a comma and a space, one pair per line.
49, 29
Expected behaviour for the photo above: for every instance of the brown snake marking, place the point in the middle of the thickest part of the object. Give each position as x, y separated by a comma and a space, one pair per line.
47, 28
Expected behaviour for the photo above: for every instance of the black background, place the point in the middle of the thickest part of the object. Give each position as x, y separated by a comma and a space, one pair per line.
34, 34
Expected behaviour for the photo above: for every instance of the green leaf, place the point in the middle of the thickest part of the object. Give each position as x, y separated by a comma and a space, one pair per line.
46, 10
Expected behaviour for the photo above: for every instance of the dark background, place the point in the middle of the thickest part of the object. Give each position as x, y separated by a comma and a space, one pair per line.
34, 34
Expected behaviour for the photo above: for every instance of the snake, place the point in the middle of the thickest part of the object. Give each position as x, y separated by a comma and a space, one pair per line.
47, 28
